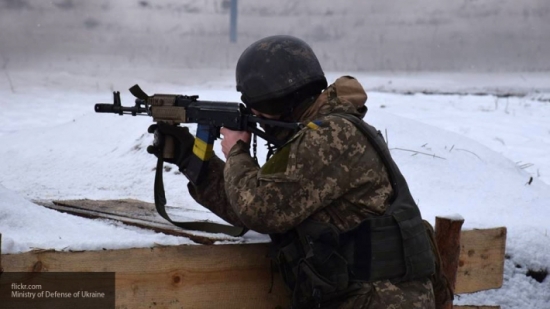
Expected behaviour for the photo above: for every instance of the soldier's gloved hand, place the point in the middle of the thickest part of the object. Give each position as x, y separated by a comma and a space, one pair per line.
183, 142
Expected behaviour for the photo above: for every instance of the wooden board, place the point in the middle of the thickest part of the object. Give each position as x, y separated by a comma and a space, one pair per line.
481, 262
207, 276
447, 237
223, 271
219, 276
131, 212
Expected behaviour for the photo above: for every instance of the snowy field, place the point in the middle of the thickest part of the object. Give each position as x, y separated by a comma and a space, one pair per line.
472, 155
469, 143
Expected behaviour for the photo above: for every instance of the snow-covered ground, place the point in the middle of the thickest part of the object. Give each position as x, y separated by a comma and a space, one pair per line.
471, 155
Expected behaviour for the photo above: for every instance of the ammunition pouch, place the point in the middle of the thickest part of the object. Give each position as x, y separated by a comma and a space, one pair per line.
319, 264
310, 263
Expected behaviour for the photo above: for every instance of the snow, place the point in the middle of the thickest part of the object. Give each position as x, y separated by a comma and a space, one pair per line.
26, 227
452, 217
463, 155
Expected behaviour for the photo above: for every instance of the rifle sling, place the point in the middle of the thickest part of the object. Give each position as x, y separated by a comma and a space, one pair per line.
160, 203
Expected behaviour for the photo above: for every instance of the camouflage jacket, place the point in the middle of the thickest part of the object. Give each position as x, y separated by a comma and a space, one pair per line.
328, 171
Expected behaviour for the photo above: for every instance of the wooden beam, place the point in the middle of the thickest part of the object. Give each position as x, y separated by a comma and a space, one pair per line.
481, 261
447, 236
190, 276
471, 258
131, 212
205, 276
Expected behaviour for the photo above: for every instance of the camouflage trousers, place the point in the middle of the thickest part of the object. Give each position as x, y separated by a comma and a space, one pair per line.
385, 295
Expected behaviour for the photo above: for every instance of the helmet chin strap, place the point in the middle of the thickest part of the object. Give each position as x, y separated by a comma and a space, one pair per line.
270, 147
254, 147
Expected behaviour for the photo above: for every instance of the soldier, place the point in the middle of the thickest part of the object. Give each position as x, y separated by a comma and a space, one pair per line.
345, 231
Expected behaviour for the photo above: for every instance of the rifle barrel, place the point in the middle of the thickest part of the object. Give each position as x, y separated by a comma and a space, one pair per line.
117, 109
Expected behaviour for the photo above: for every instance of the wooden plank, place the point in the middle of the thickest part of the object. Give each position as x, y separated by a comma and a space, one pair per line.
192, 276
227, 272
205, 276
447, 236
131, 212
481, 262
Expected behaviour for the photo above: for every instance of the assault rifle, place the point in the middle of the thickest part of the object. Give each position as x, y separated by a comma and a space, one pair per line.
209, 116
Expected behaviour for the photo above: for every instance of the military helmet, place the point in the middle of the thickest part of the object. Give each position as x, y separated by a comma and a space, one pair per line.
274, 68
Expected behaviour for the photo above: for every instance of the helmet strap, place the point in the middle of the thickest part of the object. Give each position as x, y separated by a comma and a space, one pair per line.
254, 147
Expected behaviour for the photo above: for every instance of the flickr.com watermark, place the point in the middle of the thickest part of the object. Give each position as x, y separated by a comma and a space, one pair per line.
20, 290
57, 290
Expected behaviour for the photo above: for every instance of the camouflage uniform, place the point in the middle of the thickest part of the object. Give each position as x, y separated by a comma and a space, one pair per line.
327, 172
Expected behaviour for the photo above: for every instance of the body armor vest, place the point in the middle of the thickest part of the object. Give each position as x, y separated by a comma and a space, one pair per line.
319, 263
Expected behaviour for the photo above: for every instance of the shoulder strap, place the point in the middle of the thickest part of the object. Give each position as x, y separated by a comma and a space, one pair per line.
160, 203
416, 250
383, 152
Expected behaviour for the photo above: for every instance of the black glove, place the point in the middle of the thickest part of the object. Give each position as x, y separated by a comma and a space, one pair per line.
183, 143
